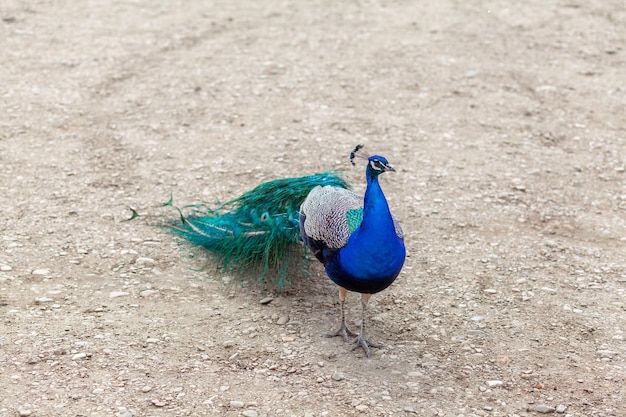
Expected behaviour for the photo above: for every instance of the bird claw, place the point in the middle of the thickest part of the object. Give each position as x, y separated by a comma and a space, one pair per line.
344, 332
362, 342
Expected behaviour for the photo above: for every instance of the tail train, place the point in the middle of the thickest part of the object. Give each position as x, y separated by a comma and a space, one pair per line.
256, 235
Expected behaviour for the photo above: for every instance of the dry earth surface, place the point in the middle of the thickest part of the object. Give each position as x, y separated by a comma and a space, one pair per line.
505, 121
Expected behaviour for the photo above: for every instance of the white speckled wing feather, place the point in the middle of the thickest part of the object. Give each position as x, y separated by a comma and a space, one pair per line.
326, 210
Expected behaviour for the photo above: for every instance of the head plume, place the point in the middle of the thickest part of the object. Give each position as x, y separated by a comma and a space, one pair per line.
376, 164
358, 153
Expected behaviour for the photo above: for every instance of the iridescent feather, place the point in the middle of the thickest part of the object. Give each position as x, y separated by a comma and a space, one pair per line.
256, 235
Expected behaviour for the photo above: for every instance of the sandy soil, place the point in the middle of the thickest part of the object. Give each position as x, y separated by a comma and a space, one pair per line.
506, 124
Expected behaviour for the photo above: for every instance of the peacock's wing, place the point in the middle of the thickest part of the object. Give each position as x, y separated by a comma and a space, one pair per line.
328, 216
396, 225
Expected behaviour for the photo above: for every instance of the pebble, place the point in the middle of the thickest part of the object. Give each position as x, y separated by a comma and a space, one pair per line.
494, 383
560, 408
41, 272
338, 376
42, 300
607, 353
544, 409
24, 412
266, 300
147, 388
409, 409
5, 268
361, 407
158, 403
228, 343
148, 293
491, 291
282, 320
116, 294
249, 413
145, 261
78, 356
237, 404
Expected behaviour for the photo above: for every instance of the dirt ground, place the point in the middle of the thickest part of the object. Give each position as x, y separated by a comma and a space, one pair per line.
505, 120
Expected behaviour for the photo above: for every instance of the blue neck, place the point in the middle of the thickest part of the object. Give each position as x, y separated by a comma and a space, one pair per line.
376, 215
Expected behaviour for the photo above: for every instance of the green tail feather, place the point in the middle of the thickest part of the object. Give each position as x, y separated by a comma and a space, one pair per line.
256, 235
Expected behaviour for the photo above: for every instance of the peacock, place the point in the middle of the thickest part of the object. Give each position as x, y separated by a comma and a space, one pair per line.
259, 234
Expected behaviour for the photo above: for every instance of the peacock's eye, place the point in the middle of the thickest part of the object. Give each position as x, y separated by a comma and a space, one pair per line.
377, 165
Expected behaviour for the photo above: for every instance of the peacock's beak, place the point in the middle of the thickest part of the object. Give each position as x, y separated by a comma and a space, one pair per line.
388, 167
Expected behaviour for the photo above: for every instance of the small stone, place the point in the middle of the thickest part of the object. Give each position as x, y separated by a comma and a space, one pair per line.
409, 409
488, 408
338, 376
361, 407
266, 300
158, 403
249, 413
145, 261
607, 353
78, 356
147, 293
494, 383
5, 268
282, 320
24, 412
42, 300
116, 294
41, 272
491, 291
545, 89
544, 409
146, 388
237, 404
228, 343
560, 408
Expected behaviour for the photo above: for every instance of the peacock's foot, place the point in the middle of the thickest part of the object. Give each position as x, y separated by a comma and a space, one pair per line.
343, 332
362, 342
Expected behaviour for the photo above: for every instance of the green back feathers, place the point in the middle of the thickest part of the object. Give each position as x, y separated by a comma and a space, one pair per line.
256, 235
354, 219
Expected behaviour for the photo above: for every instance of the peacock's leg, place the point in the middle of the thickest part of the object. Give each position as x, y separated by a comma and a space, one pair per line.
343, 330
361, 340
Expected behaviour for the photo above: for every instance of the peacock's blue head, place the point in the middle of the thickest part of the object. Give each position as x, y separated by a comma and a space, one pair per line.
377, 164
